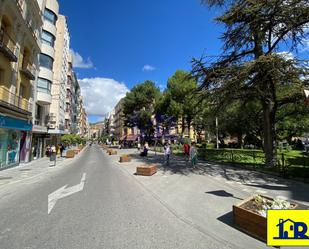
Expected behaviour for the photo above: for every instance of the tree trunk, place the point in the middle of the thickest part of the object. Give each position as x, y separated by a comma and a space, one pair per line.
239, 140
269, 112
182, 125
189, 127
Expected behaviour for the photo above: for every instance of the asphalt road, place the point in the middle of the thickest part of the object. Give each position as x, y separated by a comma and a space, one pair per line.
112, 210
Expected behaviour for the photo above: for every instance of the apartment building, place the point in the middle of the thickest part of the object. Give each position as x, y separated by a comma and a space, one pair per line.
43, 97
20, 31
56, 122
69, 96
123, 133
82, 123
71, 102
96, 129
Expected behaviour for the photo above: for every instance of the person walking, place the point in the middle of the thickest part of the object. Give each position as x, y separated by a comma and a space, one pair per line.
193, 155
138, 147
167, 153
186, 151
61, 149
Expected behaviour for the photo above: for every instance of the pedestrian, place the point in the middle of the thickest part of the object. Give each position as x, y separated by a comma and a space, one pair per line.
193, 155
145, 150
47, 151
61, 149
167, 153
53, 149
186, 151
138, 146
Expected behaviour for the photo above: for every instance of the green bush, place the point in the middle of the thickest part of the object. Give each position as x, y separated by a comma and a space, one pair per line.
70, 139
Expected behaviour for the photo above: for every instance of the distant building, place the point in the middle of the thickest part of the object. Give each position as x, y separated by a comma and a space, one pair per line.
96, 129
122, 132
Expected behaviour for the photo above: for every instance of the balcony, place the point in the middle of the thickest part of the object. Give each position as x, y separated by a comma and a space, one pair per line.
7, 46
44, 97
28, 70
68, 99
12, 100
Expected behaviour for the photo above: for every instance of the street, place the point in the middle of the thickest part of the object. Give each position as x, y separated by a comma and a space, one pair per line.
95, 202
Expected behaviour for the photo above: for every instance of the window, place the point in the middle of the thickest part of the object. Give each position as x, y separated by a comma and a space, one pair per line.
48, 38
46, 61
44, 85
1, 75
50, 16
21, 90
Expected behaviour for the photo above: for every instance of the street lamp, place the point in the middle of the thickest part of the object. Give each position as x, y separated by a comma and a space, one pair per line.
217, 133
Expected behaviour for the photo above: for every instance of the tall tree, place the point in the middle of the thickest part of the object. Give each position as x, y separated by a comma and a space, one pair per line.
139, 105
179, 98
250, 67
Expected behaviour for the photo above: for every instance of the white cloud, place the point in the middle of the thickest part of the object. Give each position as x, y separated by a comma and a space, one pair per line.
287, 55
80, 62
101, 94
305, 46
148, 68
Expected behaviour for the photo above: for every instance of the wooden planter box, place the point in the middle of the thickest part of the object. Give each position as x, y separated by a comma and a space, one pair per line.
125, 159
70, 154
112, 152
251, 222
146, 170
76, 151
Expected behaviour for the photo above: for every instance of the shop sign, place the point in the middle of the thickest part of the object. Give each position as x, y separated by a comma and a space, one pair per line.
14, 123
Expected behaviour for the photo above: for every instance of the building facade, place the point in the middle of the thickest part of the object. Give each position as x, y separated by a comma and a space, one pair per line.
20, 29
35, 72
123, 133
43, 99
56, 122
83, 129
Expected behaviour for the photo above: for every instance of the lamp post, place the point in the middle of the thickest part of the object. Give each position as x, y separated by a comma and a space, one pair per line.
217, 133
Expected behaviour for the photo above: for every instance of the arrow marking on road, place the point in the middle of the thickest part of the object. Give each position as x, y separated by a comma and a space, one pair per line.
64, 192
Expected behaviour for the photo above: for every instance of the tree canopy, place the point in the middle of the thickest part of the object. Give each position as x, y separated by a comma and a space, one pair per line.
250, 66
139, 105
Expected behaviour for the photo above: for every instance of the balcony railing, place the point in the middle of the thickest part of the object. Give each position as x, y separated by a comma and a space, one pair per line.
20, 5
15, 100
28, 70
7, 46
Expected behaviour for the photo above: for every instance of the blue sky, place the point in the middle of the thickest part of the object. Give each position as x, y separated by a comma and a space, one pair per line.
120, 43
117, 39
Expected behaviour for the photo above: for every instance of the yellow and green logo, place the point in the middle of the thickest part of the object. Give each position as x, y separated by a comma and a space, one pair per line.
288, 227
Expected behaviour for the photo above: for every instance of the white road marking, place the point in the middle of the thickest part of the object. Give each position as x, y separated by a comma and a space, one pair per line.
64, 192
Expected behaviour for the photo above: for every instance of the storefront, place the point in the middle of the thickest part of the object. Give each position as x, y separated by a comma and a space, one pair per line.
14, 141
38, 145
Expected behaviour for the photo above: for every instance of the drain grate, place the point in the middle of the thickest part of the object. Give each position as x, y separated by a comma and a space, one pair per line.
25, 170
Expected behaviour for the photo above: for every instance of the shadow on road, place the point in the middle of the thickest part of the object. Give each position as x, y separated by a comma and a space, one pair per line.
255, 179
222, 193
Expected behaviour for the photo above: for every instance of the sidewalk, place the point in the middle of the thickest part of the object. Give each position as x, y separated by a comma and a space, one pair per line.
203, 197
30, 170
